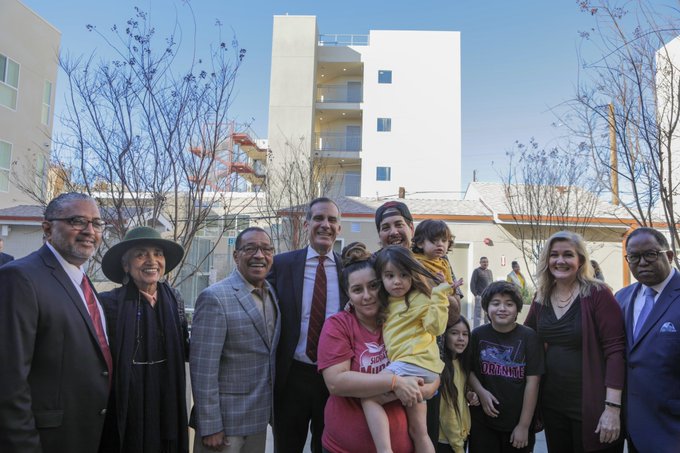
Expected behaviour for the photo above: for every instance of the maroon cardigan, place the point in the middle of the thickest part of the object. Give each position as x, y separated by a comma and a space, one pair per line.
603, 359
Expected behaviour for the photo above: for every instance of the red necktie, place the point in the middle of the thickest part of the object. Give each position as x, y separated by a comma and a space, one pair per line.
318, 313
97, 321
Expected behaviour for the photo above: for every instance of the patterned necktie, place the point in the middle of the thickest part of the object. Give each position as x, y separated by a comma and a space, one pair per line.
97, 322
646, 309
318, 311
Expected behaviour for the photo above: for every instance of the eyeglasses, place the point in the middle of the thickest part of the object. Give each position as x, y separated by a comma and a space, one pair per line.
650, 256
267, 250
80, 223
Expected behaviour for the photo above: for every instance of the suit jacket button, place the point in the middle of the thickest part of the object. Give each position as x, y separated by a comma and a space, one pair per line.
102, 412
105, 373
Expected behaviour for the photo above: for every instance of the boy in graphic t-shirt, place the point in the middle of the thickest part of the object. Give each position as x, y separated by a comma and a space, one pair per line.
506, 371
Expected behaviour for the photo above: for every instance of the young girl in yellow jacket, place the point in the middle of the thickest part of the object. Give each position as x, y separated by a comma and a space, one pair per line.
454, 414
415, 314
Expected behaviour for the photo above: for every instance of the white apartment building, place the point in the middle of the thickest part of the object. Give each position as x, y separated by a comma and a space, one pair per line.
29, 52
668, 111
382, 110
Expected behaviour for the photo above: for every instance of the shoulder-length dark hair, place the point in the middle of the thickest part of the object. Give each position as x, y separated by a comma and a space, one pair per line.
449, 389
402, 258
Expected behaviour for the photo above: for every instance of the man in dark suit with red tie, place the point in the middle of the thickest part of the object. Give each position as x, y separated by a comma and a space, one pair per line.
307, 282
56, 363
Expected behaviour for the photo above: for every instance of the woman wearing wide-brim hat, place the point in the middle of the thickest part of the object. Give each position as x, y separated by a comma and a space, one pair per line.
148, 336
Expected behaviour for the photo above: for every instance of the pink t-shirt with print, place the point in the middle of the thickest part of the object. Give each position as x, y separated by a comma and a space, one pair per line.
346, 431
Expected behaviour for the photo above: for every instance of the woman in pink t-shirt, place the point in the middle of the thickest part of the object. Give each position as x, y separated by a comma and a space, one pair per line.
351, 354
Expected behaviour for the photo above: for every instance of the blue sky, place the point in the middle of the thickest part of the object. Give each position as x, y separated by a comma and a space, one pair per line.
519, 58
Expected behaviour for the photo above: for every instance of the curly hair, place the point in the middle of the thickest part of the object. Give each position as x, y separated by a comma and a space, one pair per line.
431, 230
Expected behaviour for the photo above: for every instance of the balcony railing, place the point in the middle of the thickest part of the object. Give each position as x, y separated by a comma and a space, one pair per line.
339, 93
330, 141
343, 40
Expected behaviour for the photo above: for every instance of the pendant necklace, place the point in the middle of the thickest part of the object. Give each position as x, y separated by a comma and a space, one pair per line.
568, 301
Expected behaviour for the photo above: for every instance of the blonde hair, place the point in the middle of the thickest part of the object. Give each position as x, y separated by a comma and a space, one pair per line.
585, 276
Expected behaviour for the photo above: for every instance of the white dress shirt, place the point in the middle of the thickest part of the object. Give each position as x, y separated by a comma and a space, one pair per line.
332, 297
76, 274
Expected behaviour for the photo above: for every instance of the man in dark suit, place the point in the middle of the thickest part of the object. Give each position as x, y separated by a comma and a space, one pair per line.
4, 257
307, 284
651, 310
54, 377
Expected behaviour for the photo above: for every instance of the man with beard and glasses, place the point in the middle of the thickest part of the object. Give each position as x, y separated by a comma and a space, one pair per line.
56, 363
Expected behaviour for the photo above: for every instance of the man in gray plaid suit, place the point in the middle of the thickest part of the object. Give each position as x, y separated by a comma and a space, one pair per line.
233, 348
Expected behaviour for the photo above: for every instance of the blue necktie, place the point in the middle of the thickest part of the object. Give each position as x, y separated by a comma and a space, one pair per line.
646, 308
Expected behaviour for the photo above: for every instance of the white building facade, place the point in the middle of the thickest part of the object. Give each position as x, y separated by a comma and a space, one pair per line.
29, 53
382, 111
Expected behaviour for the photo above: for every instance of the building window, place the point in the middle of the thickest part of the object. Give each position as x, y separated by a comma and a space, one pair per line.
212, 227
384, 124
40, 175
384, 76
9, 82
352, 184
383, 174
46, 103
5, 162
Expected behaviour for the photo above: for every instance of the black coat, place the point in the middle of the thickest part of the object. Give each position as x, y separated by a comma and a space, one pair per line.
120, 306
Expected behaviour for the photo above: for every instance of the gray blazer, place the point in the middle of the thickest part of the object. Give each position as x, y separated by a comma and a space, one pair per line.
232, 360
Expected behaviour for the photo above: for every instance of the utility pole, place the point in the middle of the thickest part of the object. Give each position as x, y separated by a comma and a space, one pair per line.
613, 158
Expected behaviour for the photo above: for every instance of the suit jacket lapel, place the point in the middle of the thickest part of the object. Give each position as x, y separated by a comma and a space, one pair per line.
298, 281
629, 315
65, 281
275, 303
663, 302
247, 302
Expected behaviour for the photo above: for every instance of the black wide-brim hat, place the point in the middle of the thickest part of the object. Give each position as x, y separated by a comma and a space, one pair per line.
144, 236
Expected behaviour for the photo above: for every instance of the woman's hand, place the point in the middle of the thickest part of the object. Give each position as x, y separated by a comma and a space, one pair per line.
609, 426
429, 389
472, 398
520, 436
407, 389
488, 402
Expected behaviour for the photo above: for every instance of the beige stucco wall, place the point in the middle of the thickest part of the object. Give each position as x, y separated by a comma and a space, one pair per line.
604, 245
